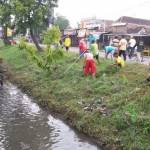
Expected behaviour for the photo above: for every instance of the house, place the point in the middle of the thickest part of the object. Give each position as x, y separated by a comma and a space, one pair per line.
130, 25
94, 23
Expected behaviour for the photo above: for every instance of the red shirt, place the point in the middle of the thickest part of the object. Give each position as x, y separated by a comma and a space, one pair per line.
82, 46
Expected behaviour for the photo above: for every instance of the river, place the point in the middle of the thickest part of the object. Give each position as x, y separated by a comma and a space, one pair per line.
25, 126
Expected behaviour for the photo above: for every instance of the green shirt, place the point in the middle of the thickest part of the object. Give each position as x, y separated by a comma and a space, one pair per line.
94, 49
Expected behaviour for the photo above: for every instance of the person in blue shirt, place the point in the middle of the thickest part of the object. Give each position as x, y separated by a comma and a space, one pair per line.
110, 50
91, 38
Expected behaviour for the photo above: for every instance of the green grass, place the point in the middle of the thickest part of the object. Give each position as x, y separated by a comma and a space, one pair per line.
124, 92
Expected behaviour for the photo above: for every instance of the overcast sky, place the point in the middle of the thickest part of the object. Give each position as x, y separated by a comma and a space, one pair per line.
75, 10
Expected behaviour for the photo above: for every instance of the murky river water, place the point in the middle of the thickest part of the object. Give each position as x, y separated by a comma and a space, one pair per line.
24, 126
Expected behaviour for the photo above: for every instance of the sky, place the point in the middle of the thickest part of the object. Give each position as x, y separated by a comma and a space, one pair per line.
75, 10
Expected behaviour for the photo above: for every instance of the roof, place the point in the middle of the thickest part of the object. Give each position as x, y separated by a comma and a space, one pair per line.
136, 30
138, 21
118, 24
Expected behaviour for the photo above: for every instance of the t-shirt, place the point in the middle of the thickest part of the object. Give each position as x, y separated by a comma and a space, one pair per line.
82, 46
115, 42
94, 48
109, 49
91, 38
88, 56
123, 44
67, 42
132, 42
120, 61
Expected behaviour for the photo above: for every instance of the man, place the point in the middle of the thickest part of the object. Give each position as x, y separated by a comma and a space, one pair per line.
131, 48
123, 47
140, 49
115, 42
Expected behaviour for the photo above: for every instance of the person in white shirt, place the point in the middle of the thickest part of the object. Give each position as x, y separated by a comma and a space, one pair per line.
89, 64
123, 47
131, 48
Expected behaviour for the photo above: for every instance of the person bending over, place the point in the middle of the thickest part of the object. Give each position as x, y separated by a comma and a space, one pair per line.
110, 50
118, 60
89, 64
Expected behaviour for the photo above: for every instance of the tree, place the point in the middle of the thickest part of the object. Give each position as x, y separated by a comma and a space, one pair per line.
28, 14
5, 18
62, 22
32, 14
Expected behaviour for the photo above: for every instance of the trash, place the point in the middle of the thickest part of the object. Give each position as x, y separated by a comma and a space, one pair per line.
95, 105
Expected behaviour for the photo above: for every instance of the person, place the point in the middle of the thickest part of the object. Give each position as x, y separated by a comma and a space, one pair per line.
116, 42
61, 43
140, 49
89, 64
110, 50
1, 73
91, 38
82, 47
123, 47
67, 43
94, 50
131, 48
118, 60
148, 80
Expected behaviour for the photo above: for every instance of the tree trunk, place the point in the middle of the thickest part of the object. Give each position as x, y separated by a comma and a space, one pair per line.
35, 41
5, 38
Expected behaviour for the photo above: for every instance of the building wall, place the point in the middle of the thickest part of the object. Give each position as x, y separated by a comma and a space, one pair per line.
119, 29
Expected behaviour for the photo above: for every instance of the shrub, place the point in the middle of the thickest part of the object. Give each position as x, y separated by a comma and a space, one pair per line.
22, 43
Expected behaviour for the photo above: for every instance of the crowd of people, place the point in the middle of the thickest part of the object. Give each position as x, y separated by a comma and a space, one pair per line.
119, 49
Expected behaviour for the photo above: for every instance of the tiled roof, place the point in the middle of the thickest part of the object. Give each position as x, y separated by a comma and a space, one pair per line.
138, 21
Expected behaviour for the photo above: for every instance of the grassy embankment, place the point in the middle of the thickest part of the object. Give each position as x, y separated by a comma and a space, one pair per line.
124, 124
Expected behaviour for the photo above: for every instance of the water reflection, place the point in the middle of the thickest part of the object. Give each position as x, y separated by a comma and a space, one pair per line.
24, 126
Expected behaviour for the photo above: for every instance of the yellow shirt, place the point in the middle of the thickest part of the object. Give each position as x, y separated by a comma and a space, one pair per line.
123, 44
67, 42
9, 32
120, 61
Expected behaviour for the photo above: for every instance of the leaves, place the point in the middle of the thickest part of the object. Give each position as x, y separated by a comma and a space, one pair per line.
62, 22
52, 36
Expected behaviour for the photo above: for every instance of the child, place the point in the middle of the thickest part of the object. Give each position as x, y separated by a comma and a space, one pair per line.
90, 65
118, 60
110, 50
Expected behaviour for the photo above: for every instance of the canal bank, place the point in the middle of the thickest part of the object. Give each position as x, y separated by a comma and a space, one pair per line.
74, 97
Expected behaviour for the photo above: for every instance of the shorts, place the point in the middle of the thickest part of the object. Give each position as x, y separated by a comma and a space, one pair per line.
96, 57
67, 48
